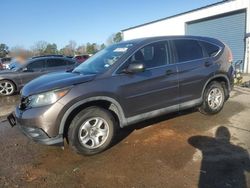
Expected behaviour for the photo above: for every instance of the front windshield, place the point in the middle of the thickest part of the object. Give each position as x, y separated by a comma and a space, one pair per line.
103, 59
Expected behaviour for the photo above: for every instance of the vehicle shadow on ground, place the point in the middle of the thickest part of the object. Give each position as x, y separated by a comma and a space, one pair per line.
223, 164
230, 110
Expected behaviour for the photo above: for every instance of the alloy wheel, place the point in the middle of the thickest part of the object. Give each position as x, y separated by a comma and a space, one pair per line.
215, 97
93, 132
6, 88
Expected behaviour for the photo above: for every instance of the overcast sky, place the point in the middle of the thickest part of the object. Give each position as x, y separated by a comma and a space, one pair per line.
24, 22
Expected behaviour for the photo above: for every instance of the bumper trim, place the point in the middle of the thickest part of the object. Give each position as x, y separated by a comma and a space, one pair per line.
39, 136
36, 134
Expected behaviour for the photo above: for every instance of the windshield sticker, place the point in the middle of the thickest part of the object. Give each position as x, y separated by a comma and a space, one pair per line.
120, 49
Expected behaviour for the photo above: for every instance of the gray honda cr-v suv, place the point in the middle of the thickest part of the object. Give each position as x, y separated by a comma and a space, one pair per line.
123, 84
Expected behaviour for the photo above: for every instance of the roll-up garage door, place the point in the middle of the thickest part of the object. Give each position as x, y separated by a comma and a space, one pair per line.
229, 28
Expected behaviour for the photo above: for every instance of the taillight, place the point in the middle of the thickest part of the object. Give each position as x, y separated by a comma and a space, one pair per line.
229, 55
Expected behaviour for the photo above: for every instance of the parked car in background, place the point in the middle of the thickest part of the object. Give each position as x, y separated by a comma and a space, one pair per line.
4, 63
81, 58
21, 73
125, 83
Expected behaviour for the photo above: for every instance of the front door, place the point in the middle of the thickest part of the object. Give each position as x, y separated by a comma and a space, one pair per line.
32, 71
153, 89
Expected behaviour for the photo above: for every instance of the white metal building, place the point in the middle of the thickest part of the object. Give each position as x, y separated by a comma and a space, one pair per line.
228, 21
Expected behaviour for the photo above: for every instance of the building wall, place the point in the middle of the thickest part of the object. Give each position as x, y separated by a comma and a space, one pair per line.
247, 55
176, 25
229, 28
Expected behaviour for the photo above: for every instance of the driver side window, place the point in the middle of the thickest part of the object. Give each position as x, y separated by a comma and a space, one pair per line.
152, 55
36, 65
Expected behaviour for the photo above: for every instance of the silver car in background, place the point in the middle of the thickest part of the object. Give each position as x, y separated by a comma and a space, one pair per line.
19, 74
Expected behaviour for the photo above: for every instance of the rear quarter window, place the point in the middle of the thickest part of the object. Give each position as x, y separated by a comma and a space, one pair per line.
211, 49
188, 50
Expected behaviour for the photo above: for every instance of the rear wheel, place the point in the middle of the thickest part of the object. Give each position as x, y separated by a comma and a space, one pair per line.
213, 99
6, 87
92, 131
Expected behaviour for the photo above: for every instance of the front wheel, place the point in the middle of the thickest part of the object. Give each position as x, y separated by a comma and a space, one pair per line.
6, 88
213, 99
92, 131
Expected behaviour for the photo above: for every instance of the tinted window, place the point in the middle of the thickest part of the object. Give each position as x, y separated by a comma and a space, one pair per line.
153, 55
36, 65
188, 50
211, 49
56, 63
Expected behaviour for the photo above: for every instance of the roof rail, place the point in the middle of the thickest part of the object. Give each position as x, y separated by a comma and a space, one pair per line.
47, 56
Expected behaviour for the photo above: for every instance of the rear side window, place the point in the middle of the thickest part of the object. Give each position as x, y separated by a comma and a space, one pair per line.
188, 50
211, 49
56, 63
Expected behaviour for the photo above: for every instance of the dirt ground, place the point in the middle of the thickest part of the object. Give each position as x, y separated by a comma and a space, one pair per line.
176, 150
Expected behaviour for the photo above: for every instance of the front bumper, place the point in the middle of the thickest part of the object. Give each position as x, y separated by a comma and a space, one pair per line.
35, 133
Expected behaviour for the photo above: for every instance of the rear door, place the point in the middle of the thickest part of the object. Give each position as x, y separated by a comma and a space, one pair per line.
56, 64
153, 89
194, 68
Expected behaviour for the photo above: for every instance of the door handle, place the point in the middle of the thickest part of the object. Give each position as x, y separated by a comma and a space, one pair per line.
169, 72
208, 63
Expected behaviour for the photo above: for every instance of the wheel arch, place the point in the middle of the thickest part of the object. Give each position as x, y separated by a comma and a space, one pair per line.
222, 79
12, 81
100, 101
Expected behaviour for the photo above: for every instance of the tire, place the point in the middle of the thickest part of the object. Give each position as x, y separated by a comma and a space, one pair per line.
213, 99
7, 88
89, 127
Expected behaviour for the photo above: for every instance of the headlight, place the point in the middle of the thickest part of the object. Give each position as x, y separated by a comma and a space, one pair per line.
46, 98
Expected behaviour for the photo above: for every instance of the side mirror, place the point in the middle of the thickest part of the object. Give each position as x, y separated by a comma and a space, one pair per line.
135, 68
25, 69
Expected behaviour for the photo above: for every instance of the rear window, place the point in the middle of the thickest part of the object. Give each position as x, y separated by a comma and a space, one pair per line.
188, 50
211, 49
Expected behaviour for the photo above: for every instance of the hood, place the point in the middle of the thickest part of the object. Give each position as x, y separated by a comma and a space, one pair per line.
54, 81
7, 72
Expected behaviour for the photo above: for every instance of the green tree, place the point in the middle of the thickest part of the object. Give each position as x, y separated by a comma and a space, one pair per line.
51, 49
4, 50
117, 37
114, 38
102, 46
69, 49
39, 48
91, 48
81, 50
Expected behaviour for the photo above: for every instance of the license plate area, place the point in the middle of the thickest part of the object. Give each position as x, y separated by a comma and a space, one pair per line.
12, 120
